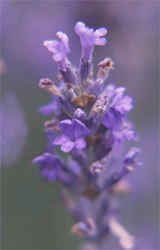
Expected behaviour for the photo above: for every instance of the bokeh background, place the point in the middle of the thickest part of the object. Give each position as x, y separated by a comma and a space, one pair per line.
32, 212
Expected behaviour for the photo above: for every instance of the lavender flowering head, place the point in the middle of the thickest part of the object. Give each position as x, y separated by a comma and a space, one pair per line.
90, 119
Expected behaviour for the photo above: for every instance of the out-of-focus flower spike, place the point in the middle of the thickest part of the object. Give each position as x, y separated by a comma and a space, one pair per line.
104, 68
85, 229
126, 240
88, 38
48, 85
13, 130
60, 49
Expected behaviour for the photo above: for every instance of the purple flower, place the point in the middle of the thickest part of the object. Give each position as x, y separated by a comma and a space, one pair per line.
60, 49
114, 119
130, 162
132, 158
52, 107
121, 102
49, 166
89, 38
124, 131
117, 100
120, 128
73, 135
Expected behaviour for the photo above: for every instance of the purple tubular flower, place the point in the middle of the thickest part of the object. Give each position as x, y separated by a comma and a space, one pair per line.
52, 107
88, 38
121, 103
119, 106
132, 158
131, 161
112, 118
60, 49
90, 119
124, 131
73, 133
49, 165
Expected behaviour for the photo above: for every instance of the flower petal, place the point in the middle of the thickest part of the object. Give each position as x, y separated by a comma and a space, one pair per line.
52, 107
80, 130
67, 128
100, 32
60, 140
80, 143
67, 146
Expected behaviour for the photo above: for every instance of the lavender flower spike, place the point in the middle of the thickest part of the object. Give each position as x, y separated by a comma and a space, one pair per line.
89, 119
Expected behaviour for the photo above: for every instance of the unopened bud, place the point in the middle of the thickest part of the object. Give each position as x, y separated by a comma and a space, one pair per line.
48, 85
104, 68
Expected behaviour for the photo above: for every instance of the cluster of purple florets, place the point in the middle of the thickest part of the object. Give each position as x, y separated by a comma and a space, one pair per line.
89, 120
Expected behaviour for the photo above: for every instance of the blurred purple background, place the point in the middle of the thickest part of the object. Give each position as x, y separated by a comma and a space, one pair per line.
32, 212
